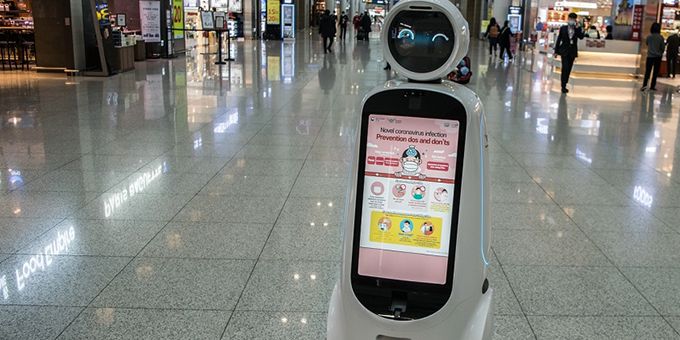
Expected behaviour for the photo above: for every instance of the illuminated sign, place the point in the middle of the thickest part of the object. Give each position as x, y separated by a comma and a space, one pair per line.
576, 4
178, 19
273, 12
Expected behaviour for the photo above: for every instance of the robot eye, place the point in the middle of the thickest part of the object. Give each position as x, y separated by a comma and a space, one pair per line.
406, 33
440, 35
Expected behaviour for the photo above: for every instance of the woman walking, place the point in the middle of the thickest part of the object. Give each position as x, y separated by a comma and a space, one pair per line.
504, 41
493, 30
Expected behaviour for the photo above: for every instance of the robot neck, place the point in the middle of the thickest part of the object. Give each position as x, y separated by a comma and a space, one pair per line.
433, 81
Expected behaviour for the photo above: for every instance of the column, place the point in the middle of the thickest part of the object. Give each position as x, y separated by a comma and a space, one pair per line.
500, 10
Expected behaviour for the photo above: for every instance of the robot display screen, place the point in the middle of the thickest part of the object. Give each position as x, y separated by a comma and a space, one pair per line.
421, 41
408, 197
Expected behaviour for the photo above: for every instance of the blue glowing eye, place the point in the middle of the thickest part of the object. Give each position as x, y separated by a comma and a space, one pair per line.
406, 33
439, 35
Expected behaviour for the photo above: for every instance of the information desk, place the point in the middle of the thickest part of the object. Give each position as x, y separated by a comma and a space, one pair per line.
617, 58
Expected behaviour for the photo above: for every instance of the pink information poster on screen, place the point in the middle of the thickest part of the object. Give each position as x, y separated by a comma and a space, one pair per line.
407, 199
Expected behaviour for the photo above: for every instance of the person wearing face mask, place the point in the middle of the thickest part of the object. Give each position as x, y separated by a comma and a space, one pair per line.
566, 47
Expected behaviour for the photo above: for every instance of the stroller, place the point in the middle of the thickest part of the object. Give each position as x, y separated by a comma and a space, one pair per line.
462, 74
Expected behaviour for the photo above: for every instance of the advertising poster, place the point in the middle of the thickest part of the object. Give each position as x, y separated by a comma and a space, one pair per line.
207, 20
637, 22
273, 12
150, 15
408, 198
236, 6
178, 19
102, 8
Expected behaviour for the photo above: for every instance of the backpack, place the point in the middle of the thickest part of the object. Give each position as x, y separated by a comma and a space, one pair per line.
493, 31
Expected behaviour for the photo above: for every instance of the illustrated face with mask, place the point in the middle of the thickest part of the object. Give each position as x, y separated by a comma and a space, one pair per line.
384, 224
410, 160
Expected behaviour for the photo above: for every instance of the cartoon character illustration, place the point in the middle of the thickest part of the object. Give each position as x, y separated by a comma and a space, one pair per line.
441, 195
384, 224
399, 190
410, 163
418, 192
406, 226
427, 228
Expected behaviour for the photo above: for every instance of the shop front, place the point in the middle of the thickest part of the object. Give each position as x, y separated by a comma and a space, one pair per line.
611, 47
17, 37
233, 12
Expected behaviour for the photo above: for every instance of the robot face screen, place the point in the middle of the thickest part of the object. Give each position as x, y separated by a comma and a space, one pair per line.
421, 41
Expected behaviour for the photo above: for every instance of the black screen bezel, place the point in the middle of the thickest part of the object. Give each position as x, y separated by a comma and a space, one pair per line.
400, 102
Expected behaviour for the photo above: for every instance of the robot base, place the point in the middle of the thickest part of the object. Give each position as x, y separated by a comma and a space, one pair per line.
470, 320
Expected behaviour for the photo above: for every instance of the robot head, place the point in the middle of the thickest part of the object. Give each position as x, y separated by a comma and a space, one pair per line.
425, 40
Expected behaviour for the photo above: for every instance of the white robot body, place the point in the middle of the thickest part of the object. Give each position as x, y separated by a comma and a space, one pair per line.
424, 40
468, 314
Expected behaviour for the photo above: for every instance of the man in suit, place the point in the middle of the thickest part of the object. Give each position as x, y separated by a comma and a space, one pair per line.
566, 47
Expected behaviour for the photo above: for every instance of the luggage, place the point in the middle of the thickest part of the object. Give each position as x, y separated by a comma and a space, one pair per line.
361, 34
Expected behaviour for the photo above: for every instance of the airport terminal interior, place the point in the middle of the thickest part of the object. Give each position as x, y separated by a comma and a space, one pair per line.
188, 200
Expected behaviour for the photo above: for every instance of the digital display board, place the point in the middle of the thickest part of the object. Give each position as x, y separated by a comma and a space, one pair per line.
408, 198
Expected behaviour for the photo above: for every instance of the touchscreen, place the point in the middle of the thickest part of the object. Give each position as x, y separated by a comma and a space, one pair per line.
407, 198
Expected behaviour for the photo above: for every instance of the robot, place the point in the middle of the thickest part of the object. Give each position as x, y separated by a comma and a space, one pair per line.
416, 254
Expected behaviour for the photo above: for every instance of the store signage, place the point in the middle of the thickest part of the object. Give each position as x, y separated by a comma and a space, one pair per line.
515, 10
150, 15
273, 12
207, 20
576, 4
178, 19
637, 22
102, 8
120, 20
595, 43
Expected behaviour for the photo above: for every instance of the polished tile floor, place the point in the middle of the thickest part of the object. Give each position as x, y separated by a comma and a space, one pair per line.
189, 201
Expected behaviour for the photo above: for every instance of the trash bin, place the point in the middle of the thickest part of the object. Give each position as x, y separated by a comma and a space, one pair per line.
140, 51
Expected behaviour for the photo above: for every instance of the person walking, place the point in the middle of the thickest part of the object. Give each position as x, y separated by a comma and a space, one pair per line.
655, 47
366, 23
356, 21
504, 41
327, 31
344, 20
672, 45
493, 30
566, 47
